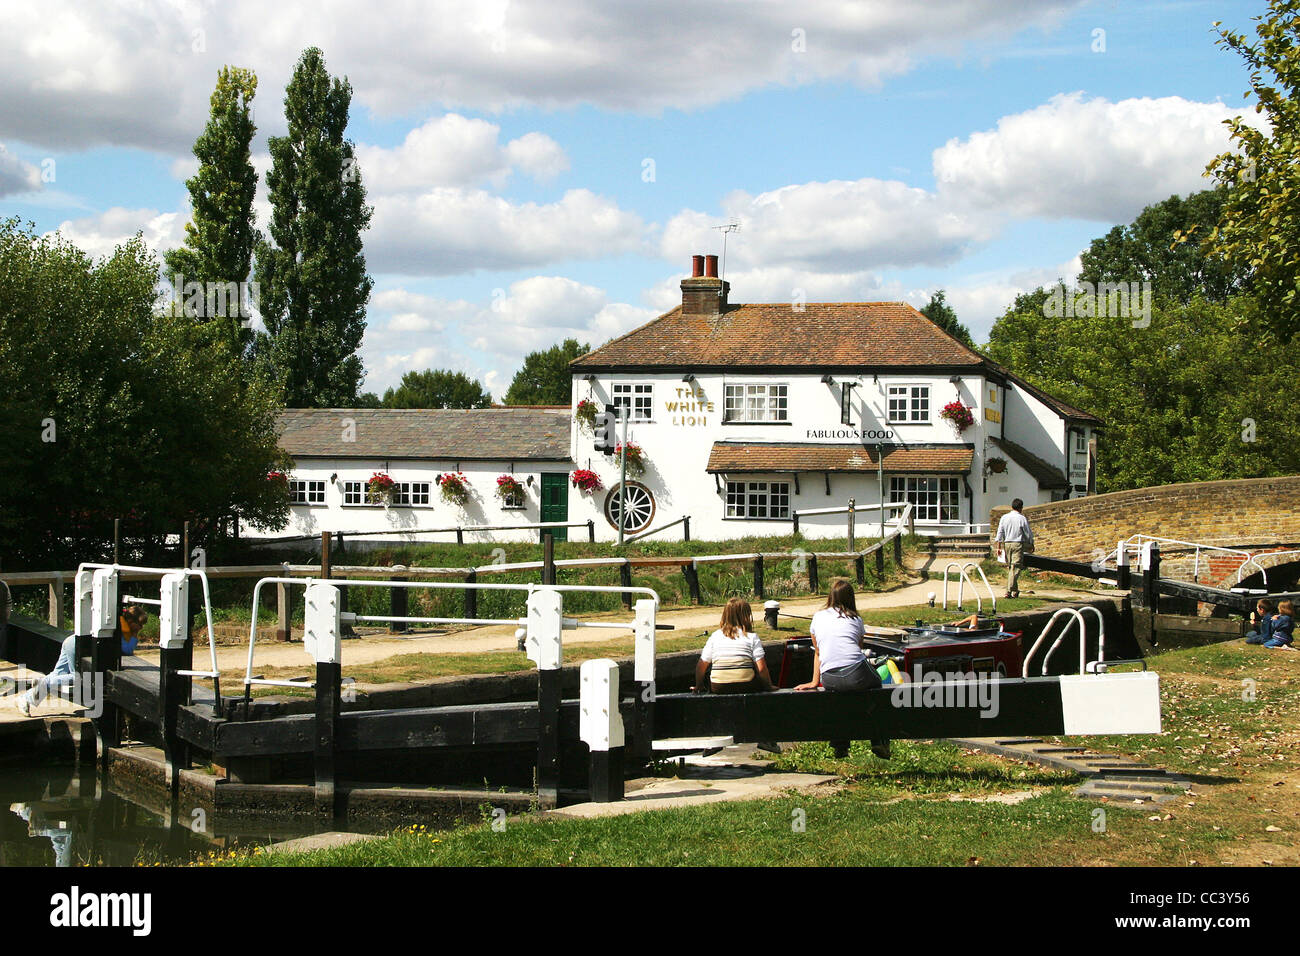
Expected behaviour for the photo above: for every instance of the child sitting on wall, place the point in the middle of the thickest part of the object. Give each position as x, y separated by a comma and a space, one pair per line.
1283, 625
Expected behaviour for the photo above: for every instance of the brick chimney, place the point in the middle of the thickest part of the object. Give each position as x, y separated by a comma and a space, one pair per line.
704, 293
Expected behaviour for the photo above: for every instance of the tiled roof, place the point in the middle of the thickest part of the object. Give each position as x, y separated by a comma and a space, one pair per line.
1044, 472
462, 434
774, 335
728, 456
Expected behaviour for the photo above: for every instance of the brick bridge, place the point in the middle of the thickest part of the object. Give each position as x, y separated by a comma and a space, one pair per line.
1253, 514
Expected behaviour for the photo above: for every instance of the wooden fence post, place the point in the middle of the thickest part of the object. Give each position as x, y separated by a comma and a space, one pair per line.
860, 568
686, 528
625, 580
898, 548
795, 518
591, 530
471, 595
398, 606
548, 558
460, 535
880, 560
852, 522
758, 577
283, 609
56, 615
814, 585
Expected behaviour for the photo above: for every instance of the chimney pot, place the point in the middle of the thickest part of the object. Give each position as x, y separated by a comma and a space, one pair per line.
697, 266
711, 267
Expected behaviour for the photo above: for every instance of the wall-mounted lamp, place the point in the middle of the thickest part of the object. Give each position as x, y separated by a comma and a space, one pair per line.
875, 379
688, 377
827, 380
955, 379
334, 477
530, 481
589, 378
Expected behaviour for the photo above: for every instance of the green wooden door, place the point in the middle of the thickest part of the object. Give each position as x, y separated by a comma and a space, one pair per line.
555, 503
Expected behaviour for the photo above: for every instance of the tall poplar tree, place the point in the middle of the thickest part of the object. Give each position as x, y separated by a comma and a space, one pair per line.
312, 275
220, 236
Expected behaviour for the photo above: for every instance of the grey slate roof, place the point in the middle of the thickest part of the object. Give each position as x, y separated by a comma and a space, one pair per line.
462, 434
1044, 472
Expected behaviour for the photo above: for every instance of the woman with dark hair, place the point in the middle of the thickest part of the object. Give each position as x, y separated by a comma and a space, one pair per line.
733, 658
839, 665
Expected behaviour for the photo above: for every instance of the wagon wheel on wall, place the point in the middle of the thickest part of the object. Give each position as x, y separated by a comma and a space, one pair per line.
640, 507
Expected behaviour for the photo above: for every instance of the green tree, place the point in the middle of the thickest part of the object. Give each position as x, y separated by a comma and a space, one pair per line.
220, 236
1163, 246
544, 378
938, 311
116, 409
1259, 226
314, 285
1198, 394
437, 389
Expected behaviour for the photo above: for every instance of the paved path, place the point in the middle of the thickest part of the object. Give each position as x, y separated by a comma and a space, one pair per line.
700, 620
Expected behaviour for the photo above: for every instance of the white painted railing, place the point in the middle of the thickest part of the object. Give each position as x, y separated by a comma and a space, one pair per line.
1072, 616
963, 580
1134, 543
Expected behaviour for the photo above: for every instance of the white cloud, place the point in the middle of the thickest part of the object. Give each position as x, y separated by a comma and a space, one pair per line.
100, 234
76, 75
16, 175
449, 231
1085, 158
452, 150
833, 227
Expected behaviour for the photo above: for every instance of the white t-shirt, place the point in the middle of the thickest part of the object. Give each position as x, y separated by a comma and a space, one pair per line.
838, 638
727, 653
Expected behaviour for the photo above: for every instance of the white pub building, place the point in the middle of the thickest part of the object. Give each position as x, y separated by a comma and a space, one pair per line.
744, 414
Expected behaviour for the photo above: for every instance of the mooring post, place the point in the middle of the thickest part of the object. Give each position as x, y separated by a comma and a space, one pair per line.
544, 643
322, 637
814, 585
398, 604
548, 558
601, 728
625, 580
758, 577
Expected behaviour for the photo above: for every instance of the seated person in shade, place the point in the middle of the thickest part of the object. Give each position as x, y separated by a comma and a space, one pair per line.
1261, 622
132, 622
733, 658
1283, 626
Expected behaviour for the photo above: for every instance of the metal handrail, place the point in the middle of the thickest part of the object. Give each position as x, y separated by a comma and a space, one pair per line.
215, 674
1077, 618
963, 580
1083, 637
1134, 542
568, 623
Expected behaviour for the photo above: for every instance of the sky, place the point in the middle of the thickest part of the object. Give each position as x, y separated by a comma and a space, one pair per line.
544, 170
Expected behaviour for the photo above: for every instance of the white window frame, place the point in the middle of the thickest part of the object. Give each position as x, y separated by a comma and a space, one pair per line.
1081, 443
306, 491
911, 395
354, 494
928, 504
404, 493
756, 402
745, 499
637, 396
515, 502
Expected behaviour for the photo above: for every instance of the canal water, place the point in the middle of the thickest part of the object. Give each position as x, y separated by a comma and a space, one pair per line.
55, 814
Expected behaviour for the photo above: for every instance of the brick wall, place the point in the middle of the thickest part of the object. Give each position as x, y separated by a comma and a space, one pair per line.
1252, 514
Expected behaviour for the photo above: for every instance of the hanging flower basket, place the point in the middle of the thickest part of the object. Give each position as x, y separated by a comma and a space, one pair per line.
635, 458
585, 415
509, 489
380, 489
278, 476
995, 466
957, 415
454, 487
586, 481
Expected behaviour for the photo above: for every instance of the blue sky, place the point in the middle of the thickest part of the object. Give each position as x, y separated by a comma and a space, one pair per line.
869, 151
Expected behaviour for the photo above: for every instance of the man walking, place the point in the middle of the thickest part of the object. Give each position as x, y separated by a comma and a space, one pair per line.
1014, 539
